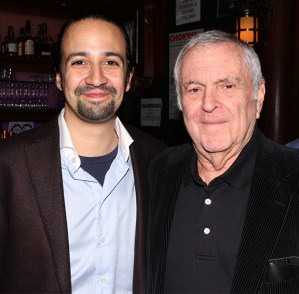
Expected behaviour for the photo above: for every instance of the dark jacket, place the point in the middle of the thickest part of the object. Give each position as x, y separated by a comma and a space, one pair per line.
271, 227
34, 253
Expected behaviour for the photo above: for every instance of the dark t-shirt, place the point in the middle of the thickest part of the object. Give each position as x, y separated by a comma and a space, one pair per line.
98, 166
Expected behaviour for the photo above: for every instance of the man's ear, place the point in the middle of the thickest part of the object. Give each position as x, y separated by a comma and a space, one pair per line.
260, 98
58, 81
129, 80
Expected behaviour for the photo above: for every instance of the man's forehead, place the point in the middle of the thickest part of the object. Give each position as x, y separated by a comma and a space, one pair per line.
90, 26
213, 65
89, 33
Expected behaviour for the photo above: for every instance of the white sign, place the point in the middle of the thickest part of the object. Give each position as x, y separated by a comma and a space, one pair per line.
176, 42
20, 126
151, 112
187, 11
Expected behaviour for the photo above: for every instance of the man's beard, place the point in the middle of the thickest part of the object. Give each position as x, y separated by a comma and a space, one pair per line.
95, 111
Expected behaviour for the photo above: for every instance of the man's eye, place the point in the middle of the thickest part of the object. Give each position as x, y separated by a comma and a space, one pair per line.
196, 90
78, 62
112, 62
226, 86
229, 86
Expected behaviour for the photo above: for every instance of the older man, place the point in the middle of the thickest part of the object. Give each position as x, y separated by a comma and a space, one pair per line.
224, 210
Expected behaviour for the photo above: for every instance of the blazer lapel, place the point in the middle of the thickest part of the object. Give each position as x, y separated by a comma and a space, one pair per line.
267, 206
48, 188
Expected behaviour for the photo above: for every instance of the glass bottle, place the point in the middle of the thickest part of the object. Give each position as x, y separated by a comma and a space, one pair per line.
29, 42
38, 41
3, 46
11, 45
20, 42
46, 43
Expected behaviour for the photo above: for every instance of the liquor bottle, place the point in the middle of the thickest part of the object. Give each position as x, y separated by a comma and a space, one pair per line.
29, 42
11, 45
38, 41
20, 42
3, 46
46, 46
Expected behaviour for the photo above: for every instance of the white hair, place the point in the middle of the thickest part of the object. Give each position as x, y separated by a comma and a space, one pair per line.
216, 37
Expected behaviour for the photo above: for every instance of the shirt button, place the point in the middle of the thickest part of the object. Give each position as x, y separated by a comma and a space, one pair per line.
73, 160
208, 201
103, 240
207, 231
103, 280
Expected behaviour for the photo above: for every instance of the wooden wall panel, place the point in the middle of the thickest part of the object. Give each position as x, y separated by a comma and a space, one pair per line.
279, 57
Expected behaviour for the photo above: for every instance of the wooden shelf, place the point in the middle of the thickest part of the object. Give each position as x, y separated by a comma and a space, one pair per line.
28, 64
29, 116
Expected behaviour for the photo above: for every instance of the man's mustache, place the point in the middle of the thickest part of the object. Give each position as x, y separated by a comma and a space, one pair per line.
81, 90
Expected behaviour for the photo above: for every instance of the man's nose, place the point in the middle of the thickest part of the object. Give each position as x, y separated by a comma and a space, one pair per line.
210, 99
96, 76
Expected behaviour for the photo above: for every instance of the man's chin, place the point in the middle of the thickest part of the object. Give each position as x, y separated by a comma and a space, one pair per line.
97, 119
215, 147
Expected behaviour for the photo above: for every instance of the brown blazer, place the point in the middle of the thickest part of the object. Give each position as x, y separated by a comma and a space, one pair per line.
34, 252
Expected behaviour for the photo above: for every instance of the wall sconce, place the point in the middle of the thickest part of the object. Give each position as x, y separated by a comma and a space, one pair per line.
247, 28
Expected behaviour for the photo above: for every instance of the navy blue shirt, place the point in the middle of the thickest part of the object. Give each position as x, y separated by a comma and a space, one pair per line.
98, 166
207, 226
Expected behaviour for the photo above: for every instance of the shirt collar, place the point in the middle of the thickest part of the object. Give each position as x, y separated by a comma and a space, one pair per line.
124, 138
241, 171
66, 143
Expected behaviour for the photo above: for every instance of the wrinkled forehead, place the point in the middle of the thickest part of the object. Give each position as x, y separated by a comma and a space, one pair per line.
225, 51
215, 60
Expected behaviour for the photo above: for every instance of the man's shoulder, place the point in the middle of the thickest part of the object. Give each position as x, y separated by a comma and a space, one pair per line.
277, 158
275, 149
141, 137
173, 156
179, 151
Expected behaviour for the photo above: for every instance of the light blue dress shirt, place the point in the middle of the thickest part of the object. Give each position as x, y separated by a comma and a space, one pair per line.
101, 220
